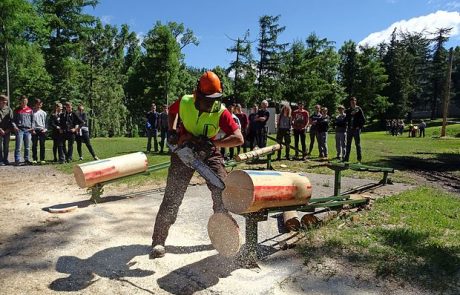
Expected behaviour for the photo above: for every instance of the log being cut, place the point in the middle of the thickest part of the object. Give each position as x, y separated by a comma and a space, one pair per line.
250, 191
257, 153
91, 173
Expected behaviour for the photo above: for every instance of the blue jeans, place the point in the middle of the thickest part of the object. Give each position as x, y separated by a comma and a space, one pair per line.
23, 135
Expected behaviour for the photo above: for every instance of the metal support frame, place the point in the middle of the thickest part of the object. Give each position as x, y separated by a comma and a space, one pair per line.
97, 190
252, 219
339, 167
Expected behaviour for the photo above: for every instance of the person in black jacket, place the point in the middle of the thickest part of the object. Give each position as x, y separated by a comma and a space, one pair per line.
356, 121
153, 118
6, 126
69, 124
56, 134
83, 134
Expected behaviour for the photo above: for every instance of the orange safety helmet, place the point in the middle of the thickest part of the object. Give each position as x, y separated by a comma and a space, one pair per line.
209, 85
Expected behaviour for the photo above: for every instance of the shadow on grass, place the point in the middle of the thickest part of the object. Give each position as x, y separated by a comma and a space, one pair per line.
112, 263
404, 254
444, 162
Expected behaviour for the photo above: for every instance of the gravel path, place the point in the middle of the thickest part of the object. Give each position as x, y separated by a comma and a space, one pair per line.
103, 248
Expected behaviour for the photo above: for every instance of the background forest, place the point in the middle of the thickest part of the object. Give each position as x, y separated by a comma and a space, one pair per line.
53, 50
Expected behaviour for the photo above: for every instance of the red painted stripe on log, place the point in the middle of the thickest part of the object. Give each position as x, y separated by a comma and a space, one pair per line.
109, 171
274, 193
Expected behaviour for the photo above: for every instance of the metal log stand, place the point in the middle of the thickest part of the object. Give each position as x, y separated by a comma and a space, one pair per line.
97, 190
336, 201
338, 167
252, 219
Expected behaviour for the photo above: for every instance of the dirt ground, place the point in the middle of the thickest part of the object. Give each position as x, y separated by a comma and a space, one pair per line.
103, 248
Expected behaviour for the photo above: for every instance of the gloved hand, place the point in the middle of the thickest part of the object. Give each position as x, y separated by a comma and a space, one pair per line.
173, 137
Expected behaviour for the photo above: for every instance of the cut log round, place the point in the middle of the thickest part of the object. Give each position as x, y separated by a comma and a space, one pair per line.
249, 191
62, 210
291, 220
224, 234
257, 153
91, 173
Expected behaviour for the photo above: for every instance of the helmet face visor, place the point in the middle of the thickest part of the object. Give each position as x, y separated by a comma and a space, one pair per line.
208, 105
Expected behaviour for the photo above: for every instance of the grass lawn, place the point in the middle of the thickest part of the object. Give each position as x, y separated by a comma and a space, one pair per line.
379, 149
413, 237
400, 152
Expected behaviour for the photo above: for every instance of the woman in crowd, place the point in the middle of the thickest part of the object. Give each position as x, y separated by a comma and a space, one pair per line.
56, 133
83, 134
283, 135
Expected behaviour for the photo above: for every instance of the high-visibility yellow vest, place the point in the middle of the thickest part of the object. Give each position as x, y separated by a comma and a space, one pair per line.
206, 124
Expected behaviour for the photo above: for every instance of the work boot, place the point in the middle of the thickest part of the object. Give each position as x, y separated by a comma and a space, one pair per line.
157, 251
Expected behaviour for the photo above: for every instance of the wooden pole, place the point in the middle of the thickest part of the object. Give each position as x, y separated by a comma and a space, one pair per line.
257, 153
447, 95
91, 173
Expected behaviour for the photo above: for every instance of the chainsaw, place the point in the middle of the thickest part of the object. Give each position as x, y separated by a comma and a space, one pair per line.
193, 158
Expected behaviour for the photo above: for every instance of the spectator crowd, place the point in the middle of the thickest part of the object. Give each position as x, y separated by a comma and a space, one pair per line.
31, 126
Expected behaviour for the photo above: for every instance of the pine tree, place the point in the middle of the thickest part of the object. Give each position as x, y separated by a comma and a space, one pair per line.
271, 52
243, 68
438, 70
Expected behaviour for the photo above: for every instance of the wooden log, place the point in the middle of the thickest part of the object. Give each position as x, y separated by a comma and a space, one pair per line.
318, 218
224, 234
91, 173
257, 153
249, 191
291, 220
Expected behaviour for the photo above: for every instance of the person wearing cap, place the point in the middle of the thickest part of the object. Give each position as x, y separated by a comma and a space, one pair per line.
340, 126
201, 116
6, 125
356, 121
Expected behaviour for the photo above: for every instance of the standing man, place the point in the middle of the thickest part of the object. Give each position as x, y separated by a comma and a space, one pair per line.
421, 128
356, 121
70, 123
39, 132
340, 125
152, 128
261, 124
23, 119
163, 124
314, 127
299, 123
202, 116
6, 125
